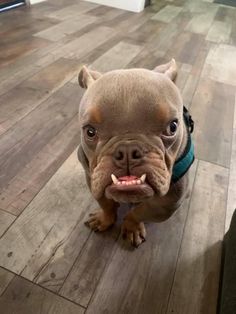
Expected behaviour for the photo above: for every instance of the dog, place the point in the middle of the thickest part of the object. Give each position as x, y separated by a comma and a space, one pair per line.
136, 146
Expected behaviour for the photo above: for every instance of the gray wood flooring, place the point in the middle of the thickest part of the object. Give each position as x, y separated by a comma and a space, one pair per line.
49, 261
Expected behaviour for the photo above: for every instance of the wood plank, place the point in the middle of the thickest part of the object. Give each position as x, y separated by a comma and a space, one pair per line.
81, 46
219, 32
44, 8
21, 143
110, 14
199, 7
59, 31
225, 14
90, 264
139, 280
234, 125
47, 223
116, 21
146, 59
6, 219
69, 12
201, 58
97, 53
25, 61
162, 43
233, 32
22, 29
186, 47
117, 57
16, 49
5, 278
212, 110
183, 74
30, 179
129, 22
16, 104
189, 89
25, 67
220, 64
16, 35
145, 32
158, 5
13, 75
23, 297
201, 23
56, 74
30, 64
193, 79
101, 10
167, 14
51, 263
196, 282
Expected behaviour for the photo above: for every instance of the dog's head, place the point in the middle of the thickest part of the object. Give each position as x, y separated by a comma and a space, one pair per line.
132, 129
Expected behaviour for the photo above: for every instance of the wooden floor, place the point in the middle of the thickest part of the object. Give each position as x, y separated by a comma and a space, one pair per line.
50, 262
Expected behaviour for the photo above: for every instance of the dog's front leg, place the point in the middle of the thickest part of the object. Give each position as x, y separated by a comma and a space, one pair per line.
104, 217
133, 228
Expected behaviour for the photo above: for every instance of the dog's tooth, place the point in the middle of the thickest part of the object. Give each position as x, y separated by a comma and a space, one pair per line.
114, 179
143, 178
139, 181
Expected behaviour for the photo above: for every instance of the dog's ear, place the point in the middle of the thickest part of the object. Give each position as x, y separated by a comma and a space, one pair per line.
87, 77
169, 69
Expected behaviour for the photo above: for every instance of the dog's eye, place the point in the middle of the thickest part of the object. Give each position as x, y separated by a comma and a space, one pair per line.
90, 132
172, 127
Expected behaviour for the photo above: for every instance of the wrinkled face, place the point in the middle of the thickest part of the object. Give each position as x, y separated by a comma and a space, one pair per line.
132, 128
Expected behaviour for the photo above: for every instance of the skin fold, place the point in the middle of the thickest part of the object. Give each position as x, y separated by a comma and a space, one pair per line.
132, 124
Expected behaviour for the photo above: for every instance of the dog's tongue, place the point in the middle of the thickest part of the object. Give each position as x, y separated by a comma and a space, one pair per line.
128, 178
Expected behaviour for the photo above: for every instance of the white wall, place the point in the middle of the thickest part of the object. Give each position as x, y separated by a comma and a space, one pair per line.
130, 5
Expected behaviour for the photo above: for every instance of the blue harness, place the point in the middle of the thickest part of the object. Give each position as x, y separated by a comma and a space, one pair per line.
184, 162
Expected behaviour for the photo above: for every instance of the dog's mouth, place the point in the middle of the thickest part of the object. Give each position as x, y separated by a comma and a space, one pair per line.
129, 188
128, 180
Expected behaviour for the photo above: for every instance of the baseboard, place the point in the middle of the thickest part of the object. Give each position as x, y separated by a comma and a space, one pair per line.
129, 5
35, 1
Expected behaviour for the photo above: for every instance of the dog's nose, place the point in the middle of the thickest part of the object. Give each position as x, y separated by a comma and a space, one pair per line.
128, 155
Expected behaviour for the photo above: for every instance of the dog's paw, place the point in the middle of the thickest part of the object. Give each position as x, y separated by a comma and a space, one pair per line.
100, 220
134, 232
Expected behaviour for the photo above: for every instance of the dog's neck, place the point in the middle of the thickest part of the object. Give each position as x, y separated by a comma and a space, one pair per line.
185, 156
183, 142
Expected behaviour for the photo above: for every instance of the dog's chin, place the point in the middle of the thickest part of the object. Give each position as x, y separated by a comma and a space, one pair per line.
130, 193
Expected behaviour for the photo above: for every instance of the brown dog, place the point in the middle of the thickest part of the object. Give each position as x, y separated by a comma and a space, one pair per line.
134, 137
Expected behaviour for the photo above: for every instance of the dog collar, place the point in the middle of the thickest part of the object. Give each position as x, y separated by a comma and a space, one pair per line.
185, 161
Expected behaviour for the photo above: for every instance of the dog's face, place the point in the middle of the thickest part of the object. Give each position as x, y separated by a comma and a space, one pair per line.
132, 128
